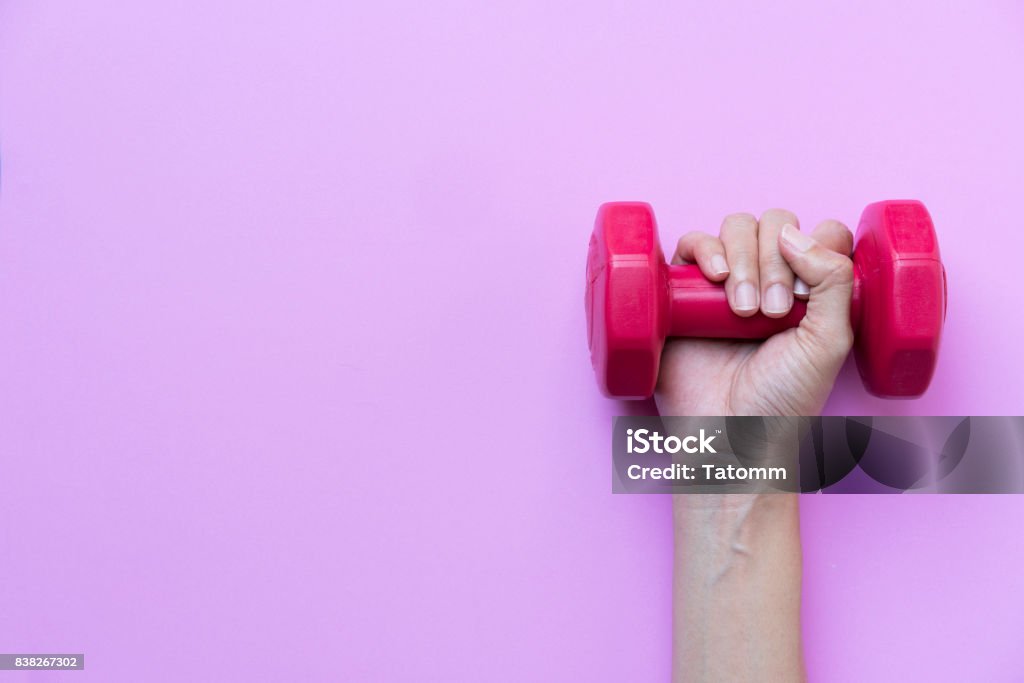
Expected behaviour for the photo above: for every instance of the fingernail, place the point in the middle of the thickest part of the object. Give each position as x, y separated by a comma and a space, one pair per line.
746, 297
796, 239
719, 265
776, 299
800, 288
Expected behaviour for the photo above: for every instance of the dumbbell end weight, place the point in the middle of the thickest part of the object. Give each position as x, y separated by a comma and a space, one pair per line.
903, 297
634, 300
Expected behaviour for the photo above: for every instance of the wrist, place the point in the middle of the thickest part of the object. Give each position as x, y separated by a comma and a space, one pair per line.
710, 516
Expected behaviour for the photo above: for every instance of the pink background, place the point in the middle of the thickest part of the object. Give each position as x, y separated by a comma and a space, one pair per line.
293, 375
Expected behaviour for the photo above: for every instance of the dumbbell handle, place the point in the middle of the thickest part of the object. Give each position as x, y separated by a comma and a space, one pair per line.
699, 308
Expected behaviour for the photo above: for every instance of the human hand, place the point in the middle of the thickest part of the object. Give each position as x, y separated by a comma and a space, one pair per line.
792, 372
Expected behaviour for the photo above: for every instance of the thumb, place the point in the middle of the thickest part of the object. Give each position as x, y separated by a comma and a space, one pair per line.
825, 329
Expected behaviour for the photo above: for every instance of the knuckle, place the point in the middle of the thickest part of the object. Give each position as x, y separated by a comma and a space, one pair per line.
840, 271
739, 222
780, 216
843, 270
704, 249
688, 240
840, 231
772, 259
847, 237
740, 217
834, 224
742, 256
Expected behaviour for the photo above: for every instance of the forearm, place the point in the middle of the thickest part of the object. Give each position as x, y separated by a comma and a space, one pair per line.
737, 588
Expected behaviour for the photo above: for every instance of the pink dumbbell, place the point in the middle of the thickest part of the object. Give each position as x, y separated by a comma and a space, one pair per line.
635, 300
